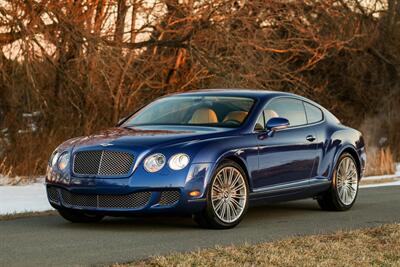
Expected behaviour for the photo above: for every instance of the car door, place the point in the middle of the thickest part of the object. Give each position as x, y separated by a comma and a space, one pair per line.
286, 157
315, 118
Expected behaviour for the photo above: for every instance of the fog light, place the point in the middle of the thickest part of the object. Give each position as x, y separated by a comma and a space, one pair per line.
194, 193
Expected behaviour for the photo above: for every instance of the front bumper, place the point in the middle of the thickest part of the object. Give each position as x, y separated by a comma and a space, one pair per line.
163, 192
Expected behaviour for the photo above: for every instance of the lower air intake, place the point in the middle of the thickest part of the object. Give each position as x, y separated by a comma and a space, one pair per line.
169, 198
52, 195
131, 201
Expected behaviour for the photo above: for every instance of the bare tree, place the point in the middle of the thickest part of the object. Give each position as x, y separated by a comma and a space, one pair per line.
85, 64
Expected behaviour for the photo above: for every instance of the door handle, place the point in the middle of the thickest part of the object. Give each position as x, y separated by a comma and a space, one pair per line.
310, 138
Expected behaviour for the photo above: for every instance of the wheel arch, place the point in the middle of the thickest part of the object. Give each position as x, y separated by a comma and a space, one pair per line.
352, 151
240, 162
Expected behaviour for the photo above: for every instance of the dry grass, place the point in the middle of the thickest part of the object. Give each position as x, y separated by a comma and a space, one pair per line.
366, 247
4, 168
380, 162
9, 217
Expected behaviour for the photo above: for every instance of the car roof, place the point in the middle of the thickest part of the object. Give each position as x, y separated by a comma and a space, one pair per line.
263, 95
260, 94
252, 93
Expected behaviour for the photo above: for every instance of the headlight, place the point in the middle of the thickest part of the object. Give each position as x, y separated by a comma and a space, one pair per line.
63, 161
154, 163
54, 158
178, 161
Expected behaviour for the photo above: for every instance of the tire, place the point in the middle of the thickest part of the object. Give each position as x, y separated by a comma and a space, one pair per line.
334, 199
79, 217
234, 198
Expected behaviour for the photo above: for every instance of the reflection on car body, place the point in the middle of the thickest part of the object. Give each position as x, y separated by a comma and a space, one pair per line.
209, 153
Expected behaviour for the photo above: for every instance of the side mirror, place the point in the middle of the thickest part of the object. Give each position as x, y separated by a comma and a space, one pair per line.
274, 124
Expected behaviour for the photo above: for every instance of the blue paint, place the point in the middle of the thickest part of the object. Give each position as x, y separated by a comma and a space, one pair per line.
287, 163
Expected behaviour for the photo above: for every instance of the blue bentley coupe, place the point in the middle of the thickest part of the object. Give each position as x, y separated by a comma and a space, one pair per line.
210, 154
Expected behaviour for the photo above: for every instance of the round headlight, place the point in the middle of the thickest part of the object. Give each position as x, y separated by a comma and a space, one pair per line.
154, 163
54, 159
63, 161
178, 161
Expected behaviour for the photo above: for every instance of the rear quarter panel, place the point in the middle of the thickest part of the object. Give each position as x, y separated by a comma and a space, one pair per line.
335, 139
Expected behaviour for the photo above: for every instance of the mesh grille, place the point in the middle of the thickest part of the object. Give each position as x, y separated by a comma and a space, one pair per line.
135, 200
102, 162
52, 195
87, 162
115, 163
85, 201
169, 198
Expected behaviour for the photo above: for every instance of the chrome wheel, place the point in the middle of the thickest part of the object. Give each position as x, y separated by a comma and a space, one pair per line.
347, 180
229, 194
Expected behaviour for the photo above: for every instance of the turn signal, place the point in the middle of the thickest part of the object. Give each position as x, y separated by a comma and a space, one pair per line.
194, 193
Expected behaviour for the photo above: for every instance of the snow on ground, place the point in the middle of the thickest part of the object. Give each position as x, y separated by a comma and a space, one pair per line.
396, 183
398, 169
24, 198
32, 197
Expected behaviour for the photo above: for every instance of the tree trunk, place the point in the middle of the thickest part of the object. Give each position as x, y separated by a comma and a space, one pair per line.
120, 22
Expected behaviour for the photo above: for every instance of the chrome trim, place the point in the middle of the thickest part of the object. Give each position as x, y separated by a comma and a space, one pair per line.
281, 187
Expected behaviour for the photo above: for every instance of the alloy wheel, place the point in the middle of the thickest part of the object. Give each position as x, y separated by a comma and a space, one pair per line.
347, 180
229, 194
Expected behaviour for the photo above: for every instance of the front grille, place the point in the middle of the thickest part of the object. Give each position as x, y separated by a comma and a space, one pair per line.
84, 201
87, 162
131, 201
102, 162
136, 200
169, 198
52, 195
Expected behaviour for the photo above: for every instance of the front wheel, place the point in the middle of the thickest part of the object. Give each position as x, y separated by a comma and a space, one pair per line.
227, 198
344, 189
79, 217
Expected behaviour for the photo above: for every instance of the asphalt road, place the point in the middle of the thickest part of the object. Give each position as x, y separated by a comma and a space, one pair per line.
50, 241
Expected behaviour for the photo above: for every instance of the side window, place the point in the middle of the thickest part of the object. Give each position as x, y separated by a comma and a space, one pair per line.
260, 125
288, 108
314, 114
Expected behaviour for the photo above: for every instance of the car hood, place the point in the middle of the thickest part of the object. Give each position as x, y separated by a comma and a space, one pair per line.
146, 136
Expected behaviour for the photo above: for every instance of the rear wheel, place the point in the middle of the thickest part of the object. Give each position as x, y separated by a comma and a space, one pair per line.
227, 198
344, 189
79, 217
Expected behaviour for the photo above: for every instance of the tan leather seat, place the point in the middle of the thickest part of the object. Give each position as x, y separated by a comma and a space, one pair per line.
269, 114
236, 116
204, 115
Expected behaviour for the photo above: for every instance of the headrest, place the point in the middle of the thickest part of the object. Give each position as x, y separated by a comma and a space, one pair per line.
204, 115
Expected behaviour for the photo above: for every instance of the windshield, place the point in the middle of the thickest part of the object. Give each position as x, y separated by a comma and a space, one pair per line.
216, 111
